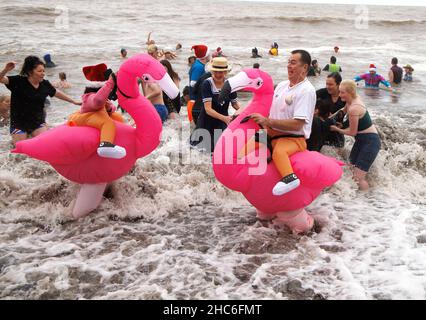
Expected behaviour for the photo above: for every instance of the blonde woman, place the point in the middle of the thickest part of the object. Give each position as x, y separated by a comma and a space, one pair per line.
358, 123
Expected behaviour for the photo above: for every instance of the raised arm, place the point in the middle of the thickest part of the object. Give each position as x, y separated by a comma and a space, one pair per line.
7, 68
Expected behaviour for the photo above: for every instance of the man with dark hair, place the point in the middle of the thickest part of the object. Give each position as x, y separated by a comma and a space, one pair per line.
332, 66
395, 72
256, 65
290, 119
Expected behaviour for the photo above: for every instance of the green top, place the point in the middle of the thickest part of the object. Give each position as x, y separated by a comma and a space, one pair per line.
333, 68
363, 123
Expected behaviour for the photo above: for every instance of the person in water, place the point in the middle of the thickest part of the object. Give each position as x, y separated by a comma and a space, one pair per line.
29, 92
359, 125
255, 53
314, 69
290, 120
372, 79
336, 49
274, 49
123, 53
48, 61
332, 66
320, 125
321, 135
395, 72
408, 73
214, 115
97, 110
62, 83
173, 106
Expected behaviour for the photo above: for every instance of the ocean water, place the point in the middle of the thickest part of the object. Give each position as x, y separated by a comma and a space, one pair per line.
168, 229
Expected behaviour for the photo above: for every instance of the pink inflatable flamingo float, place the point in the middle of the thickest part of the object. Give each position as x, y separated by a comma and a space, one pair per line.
253, 176
71, 150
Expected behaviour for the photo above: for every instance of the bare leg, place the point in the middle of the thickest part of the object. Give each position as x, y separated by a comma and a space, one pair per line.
88, 199
18, 137
360, 178
39, 131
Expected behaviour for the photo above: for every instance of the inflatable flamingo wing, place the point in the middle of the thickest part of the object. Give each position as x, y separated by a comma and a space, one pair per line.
252, 175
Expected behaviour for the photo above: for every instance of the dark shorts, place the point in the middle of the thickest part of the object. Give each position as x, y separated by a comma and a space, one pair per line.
365, 150
13, 130
162, 111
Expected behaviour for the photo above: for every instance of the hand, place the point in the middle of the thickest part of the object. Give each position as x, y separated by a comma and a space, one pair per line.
77, 103
260, 120
334, 128
10, 66
227, 119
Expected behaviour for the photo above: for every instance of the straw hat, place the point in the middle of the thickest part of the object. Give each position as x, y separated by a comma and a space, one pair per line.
409, 67
219, 64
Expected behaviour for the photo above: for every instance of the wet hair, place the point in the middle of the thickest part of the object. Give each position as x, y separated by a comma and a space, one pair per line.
123, 50
185, 91
315, 61
172, 73
394, 60
324, 108
62, 76
333, 59
305, 57
336, 76
30, 63
256, 65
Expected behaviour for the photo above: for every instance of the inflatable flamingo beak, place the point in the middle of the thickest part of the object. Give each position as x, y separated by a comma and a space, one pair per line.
168, 86
240, 81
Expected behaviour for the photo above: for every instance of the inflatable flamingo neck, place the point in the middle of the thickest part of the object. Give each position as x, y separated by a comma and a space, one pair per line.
148, 122
261, 103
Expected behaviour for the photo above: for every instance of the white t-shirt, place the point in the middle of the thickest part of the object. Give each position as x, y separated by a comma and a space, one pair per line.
297, 102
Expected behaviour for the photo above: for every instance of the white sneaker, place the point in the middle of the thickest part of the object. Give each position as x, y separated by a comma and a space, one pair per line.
109, 150
286, 184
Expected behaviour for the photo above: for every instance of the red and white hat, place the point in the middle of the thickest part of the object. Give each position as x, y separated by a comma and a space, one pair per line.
372, 67
201, 51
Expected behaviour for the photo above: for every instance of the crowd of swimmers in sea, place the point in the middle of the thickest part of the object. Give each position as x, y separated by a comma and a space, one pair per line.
311, 119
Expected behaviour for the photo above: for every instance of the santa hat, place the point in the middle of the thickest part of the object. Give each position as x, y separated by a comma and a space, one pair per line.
95, 73
201, 51
372, 67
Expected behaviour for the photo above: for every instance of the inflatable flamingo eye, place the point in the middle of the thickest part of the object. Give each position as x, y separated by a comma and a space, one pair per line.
259, 83
147, 78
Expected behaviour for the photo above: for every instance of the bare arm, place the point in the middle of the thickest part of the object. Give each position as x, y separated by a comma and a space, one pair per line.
284, 124
236, 105
8, 67
390, 76
353, 124
63, 96
214, 114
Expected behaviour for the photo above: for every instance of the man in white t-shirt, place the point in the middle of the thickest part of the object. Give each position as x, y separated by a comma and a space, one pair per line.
290, 119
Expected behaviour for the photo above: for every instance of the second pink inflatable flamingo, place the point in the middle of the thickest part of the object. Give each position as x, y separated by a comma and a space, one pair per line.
72, 150
253, 176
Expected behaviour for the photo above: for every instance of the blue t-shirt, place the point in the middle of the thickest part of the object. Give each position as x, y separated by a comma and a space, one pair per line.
195, 73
